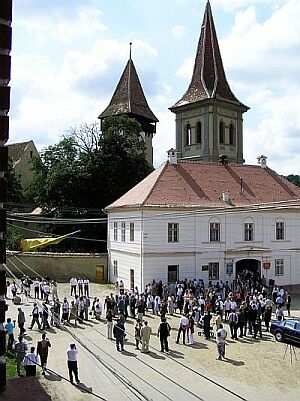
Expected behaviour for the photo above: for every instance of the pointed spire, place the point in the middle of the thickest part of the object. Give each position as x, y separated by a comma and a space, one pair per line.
129, 97
209, 79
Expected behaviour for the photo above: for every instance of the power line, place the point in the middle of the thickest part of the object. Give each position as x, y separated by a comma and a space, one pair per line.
169, 356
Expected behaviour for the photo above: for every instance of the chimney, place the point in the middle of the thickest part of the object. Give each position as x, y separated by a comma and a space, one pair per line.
225, 197
262, 160
172, 156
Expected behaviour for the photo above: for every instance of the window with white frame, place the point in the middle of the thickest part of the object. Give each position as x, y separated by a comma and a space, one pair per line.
279, 230
115, 231
173, 232
123, 231
131, 232
248, 231
213, 271
115, 268
214, 232
279, 267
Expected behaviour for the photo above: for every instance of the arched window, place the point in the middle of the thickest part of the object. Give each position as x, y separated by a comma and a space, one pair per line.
199, 132
221, 132
188, 135
231, 134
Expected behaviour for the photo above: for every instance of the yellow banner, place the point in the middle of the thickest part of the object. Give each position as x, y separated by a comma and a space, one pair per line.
33, 243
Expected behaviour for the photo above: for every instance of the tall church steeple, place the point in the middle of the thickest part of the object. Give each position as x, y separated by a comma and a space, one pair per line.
209, 116
129, 99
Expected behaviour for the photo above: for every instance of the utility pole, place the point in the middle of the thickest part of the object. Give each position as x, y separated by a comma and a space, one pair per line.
5, 71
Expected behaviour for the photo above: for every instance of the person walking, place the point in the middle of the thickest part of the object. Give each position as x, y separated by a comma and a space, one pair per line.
43, 350
137, 333
30, 361
65, 311
163, 334
221, 335
267, 317
45, 315
145, 337
190, 330
119, 334
109, 322
35, 317
21, 321
206, 324
9, 328
73, 285
288, 303
86, 286
183, 325
72, 363
233, 324
20, 352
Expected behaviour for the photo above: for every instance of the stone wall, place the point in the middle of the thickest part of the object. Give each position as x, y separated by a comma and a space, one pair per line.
60, 266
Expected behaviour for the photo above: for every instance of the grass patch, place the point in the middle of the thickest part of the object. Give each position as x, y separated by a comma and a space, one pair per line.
11, 367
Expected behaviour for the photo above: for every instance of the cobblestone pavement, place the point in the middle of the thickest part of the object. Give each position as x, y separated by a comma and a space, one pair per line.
255, 369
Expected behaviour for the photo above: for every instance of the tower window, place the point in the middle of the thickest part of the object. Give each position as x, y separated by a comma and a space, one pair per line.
188, 135
221, 132
199, 132
231, 134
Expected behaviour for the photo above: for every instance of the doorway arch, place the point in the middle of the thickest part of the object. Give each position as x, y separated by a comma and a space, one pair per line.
248, 268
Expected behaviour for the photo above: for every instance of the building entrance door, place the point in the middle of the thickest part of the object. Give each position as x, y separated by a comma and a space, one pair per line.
172, 274
248, 271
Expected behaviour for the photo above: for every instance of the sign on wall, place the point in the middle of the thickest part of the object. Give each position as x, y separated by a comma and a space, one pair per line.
205, 268
229, 268
266, 265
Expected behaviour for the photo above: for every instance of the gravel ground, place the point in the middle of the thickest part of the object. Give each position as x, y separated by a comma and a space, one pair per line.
255, 369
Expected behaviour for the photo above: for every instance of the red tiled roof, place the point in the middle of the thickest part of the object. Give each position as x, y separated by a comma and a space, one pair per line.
200, 184
129, 97
209, 79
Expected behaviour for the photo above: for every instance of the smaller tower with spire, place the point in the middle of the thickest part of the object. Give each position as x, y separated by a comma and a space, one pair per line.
209, 118
129, 99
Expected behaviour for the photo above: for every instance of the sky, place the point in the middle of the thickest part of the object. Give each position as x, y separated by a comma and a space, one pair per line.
68, 56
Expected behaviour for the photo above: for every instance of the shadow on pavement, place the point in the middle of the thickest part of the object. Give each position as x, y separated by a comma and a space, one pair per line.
127, 353
83, 388
52, 377
233, 362
155, 356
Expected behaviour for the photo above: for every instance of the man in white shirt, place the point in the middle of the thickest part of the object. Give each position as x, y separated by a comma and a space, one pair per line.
29, 362
73, 284
227, 307
86, 286
221, 335
80, 286
72, 363
184, 322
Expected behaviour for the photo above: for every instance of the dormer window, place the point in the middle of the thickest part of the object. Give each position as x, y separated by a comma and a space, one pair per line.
231, 134
188, 135
199, 132
221, 132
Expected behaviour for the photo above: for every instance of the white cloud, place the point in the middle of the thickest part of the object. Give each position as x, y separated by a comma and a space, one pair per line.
53, 96
64, 28
165, 136
232, 5
178, 31
186, 68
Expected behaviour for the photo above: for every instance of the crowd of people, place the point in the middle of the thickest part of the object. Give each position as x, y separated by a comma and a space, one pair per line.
245, 305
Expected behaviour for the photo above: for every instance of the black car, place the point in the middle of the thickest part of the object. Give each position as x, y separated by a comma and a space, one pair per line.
286, 331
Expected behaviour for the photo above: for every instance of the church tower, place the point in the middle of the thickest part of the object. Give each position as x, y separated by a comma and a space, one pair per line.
129, 99
209, 118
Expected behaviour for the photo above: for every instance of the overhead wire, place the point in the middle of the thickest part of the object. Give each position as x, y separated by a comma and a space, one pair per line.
173, 359
133, 389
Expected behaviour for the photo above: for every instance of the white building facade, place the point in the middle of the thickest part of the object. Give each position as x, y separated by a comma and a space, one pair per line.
213, 245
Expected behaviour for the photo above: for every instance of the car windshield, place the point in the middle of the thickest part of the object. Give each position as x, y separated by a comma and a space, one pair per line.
289, 324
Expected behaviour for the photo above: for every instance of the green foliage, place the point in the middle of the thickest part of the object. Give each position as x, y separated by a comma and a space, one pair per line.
14, 237
295, 179
87, 170
14, 188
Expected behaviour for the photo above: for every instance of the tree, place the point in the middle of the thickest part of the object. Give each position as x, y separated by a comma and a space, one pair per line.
295, 179
89, 169
14, 187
